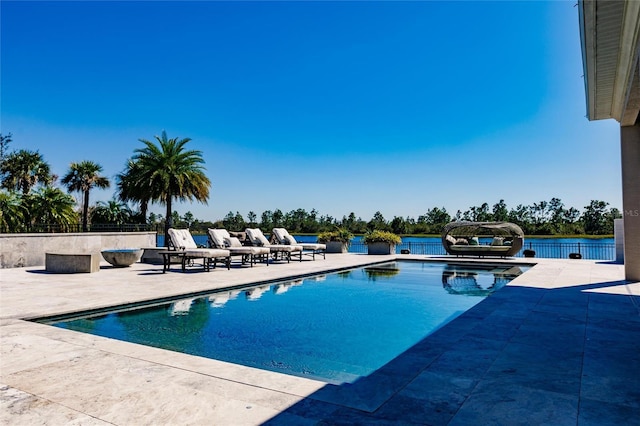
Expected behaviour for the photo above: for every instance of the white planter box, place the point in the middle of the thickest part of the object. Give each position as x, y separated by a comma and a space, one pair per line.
337, 247
381, 248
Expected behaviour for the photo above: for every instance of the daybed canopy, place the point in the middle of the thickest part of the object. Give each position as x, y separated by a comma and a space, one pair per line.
463, 238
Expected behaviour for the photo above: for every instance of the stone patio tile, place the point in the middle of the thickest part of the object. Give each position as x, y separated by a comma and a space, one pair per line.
306, 411
611, 389
548, 369
620, 365
477, 343
21, 408
512, 404
568, 336
604, 335
565, 298
404, 409
350, 417
133, 386
612, 306
465, 364
495, 329
431, 398
366, 394
601, 413
630, 323
555, 316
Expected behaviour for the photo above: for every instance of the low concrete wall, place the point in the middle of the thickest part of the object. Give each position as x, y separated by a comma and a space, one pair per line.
18, 250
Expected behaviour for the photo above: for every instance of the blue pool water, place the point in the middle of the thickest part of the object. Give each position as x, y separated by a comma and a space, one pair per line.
334, 328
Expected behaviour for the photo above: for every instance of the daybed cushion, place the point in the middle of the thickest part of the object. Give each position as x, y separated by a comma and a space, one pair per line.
451, 240
497, 241
473, 241
479, 248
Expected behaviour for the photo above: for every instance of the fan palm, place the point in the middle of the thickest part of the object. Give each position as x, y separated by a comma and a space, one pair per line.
11, 212
24, 169
131, 189
82, 177
168, 172
112, 211
51, 206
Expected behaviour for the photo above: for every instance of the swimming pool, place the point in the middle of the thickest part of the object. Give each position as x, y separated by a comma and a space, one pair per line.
335, 328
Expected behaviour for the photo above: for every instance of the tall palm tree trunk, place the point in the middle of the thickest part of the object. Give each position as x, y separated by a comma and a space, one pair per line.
144, 207
85, 212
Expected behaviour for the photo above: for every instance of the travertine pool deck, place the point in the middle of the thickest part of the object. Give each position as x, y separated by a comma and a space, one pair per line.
559, 345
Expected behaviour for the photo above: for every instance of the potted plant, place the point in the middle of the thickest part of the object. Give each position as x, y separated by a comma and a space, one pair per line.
381, 242
337, 241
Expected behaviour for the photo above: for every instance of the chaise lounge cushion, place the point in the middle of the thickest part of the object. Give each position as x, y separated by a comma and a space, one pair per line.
207, 253
182, 239
282, 236
290, 240
218, 236
232, 242
256, 237
222, 238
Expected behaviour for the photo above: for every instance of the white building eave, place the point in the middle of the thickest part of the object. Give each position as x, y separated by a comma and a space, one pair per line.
609, 32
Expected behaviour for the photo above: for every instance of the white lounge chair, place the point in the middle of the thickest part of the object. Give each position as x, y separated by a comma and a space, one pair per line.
257, 238
282, 236
220, 239
185, 246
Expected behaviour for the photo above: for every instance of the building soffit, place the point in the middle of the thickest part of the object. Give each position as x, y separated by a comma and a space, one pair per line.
609, 32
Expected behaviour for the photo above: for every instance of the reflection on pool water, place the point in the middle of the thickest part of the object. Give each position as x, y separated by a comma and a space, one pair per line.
335, 327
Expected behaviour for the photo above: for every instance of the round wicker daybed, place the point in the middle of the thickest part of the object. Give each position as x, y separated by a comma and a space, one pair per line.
463, 238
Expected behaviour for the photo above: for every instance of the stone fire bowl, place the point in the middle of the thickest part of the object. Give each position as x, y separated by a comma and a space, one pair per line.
122, 257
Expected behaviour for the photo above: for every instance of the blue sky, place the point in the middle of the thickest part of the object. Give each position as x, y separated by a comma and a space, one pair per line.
344, 107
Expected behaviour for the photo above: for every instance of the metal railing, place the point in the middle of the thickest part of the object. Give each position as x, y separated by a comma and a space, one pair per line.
593, 251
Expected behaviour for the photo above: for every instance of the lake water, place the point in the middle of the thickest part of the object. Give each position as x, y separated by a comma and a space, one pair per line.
553, 248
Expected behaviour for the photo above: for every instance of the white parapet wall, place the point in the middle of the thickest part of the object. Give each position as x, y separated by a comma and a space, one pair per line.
19, 250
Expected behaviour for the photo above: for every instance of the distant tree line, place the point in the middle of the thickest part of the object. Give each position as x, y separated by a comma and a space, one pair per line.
543, 218
164, 171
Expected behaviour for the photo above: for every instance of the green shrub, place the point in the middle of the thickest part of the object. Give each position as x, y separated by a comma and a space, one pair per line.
377, 236
340, 235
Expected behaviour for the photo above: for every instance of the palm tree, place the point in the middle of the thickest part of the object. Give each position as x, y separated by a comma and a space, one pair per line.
112, 211
51, 206
82, 177
131, 189
168, 171
22, 170
11, 212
